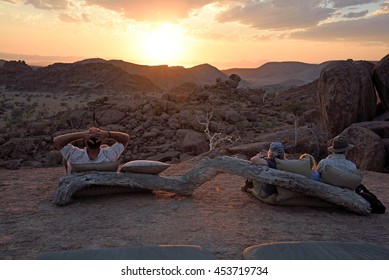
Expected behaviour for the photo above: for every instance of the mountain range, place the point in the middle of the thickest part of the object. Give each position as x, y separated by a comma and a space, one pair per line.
272, 73
279, 75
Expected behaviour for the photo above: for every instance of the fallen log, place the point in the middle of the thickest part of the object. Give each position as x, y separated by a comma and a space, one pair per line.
204, 171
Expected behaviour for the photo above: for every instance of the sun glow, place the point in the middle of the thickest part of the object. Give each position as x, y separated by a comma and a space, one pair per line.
163, 45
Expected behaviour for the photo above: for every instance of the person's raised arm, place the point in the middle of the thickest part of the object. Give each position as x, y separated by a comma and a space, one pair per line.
62, 140
120, 137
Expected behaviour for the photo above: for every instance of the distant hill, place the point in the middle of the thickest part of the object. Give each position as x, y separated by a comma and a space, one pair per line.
275, 73
168, 77
80, 77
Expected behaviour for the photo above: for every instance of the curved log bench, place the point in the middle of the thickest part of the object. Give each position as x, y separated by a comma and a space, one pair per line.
205, 170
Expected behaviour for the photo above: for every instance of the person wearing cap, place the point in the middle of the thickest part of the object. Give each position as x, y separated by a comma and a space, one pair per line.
337, 158
94, 151
276, 150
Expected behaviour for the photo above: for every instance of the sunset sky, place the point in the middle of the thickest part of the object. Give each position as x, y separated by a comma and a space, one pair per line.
224, 33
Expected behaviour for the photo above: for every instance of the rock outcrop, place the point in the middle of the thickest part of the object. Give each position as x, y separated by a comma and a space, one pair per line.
345, 95
381, 80
73, 77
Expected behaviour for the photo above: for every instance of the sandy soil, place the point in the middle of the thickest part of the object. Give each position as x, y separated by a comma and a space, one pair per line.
218, 217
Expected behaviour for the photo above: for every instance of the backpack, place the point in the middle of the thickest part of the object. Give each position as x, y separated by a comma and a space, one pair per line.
375, 204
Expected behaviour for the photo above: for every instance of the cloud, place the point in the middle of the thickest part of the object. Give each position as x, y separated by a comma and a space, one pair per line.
49, 4
356, 15
151, 10
73, 18
10, 1
348, 3
371, 29
277, 14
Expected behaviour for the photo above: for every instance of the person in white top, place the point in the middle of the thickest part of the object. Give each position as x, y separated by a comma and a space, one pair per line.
93, 152
338, 156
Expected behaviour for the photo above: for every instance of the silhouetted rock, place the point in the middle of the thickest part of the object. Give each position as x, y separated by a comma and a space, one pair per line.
381, 128
345, 95
16, 74
381, 80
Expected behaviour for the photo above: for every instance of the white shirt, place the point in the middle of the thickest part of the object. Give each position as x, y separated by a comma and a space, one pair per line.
337, 160
74, 155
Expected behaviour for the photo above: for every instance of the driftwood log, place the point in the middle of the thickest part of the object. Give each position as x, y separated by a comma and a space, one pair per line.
205, 170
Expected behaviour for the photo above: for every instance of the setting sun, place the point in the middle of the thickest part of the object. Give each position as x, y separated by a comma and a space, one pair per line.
163, 44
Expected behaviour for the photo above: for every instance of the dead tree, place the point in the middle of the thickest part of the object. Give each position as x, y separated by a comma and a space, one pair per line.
205, 170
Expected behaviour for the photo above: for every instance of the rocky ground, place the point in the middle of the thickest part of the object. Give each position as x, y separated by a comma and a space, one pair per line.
218, 217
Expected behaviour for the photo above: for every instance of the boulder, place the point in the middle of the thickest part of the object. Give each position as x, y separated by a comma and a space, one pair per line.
381, 128
367, 98
345, 95
109, 116
233, 81
195, 143
369, 150
381, 80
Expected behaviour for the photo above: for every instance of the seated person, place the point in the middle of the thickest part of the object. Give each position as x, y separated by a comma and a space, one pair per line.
337, 158
276, 150
93, 152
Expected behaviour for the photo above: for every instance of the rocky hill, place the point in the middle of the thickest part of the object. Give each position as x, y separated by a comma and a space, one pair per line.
72, 77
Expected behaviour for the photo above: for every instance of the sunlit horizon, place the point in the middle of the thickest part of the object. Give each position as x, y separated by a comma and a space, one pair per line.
224, 34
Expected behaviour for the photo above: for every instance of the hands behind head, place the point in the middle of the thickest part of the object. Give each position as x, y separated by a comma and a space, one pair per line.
95, 132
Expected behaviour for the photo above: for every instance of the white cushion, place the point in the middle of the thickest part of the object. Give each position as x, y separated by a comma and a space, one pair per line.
144, 166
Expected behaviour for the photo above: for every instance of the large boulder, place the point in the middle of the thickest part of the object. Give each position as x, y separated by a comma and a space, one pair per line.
345, 95
381, 128
195, 143
381, 80
369, 150
109, 116
367, 98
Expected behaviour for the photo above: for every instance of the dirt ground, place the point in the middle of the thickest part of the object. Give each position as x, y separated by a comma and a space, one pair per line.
219, 217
